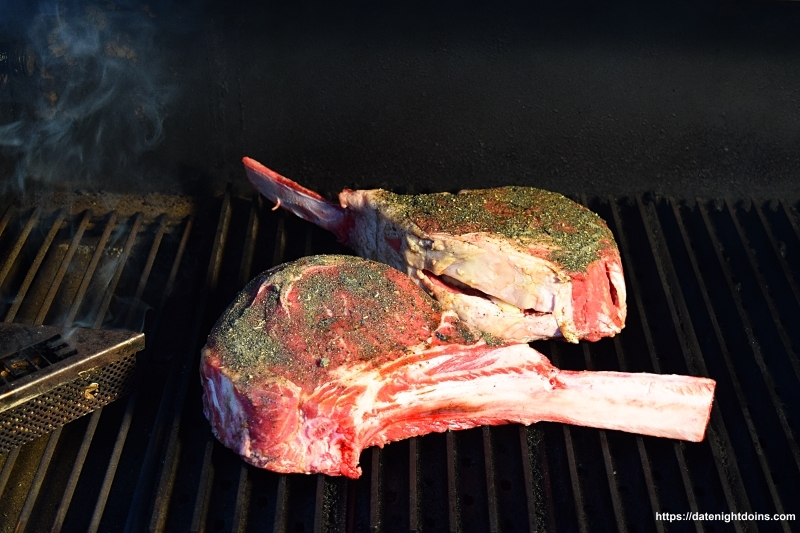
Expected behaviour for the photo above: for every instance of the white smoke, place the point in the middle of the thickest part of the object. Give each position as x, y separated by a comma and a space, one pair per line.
97, 99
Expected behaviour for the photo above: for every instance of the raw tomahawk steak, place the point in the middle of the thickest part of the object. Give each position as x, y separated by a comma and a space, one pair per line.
318, 359
517, 262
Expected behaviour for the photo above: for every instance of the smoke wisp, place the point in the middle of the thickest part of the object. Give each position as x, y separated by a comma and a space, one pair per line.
96, 100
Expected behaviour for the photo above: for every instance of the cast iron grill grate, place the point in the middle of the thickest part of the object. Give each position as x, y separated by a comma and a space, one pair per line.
712, 291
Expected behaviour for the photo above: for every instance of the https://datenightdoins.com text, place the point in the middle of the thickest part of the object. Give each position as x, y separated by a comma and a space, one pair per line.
725, 517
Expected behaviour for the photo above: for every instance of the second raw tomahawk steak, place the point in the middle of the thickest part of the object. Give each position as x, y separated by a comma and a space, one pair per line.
517, 262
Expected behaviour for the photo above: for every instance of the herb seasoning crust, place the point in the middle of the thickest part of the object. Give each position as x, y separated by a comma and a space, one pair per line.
574, 236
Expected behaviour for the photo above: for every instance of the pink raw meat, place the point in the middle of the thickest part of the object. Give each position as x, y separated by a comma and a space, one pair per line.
318, 359
517, 262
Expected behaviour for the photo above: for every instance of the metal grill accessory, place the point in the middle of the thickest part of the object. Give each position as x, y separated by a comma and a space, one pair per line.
49, 376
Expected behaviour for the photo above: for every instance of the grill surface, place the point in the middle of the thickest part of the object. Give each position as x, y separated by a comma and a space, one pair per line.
712, 292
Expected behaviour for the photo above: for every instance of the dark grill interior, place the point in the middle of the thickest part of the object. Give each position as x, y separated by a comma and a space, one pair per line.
712, 291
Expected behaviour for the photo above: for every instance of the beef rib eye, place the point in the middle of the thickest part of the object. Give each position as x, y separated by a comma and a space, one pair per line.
517, 262
317, 359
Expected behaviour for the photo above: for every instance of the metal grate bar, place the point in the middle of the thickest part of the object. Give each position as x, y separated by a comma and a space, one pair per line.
113, 461
610, 471
37, 262
548, 489
14, 252
319, 507
243, 487
628, 267
44, 461
527, 475
607, 460
6, 218
207, 470
309, 240
51, 294
776, 250
173, 273
281, 504
122, 433
168, 468
643, 456
452, 495
148, 266
491, 493
577, 494
762, 284
718, 437
737, 387
350, 505
748, 329
123, 259
375, 490
792, 222
245, 272
38, 478
8, 465
413, 484
204, 489
170, 286
612, 484
280, 241
242, 499
33, 269
90, 269
573, 475
88, 437
56, 283
72, 482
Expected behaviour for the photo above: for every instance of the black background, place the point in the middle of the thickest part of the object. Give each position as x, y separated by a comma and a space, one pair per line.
685, 98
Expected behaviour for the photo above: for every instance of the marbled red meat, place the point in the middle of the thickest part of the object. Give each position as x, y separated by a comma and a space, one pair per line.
518, 262
318, 359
